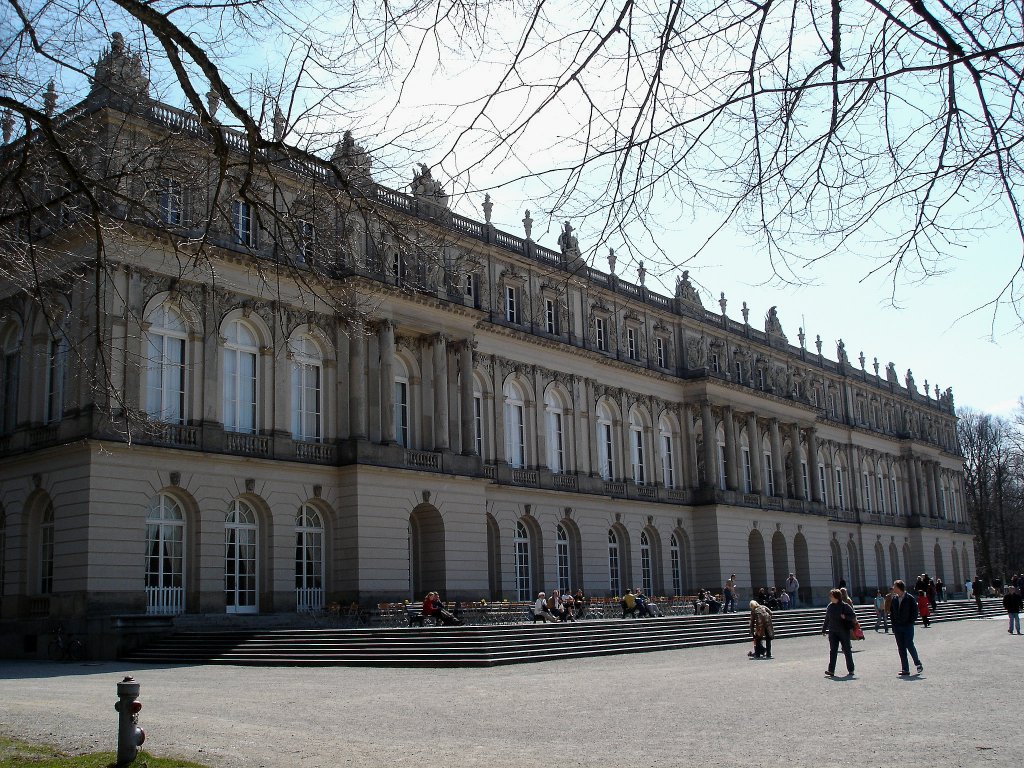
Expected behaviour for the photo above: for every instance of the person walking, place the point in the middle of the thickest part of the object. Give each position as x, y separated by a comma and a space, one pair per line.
839, 622
978, 588
762, 630
793, 590
881, 614
1013, 602
903, 614
924, 608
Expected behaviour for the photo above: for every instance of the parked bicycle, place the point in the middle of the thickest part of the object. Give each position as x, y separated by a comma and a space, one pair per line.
63, 647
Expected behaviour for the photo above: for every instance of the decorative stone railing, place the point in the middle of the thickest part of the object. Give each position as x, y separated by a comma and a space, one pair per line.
423, 460
254, 445
322, 453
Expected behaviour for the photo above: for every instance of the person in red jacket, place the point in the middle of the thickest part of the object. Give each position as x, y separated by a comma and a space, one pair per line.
924, 608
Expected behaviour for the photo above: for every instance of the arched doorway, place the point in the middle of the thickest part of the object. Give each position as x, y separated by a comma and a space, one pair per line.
427, 569
880, 566
854, 582
803, 568
309, 559
758, 566
165, 557
780, 560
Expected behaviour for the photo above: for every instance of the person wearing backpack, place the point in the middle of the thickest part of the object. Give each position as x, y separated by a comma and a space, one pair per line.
839, 622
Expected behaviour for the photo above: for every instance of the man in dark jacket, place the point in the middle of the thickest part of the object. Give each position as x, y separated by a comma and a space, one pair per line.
903, 612
1014, 604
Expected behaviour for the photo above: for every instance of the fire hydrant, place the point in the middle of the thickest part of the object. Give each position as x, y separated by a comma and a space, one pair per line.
129, 735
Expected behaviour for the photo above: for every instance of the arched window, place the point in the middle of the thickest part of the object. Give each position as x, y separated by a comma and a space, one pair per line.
614, 582
605, 442
563, 558
646, 570
403, 416
479, 423
309, 559
241, 535
515, 425
166, 365
675, 556
10, 370
46, 538
524, 577
56, 373
165, 557
556, 434
306, 385
241, 378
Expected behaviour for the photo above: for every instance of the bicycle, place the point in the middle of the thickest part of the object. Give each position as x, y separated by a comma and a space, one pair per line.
65, 648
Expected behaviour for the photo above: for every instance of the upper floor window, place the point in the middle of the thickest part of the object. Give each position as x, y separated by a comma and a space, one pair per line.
769, 474
739, 372
511, 303
881, 493
469, 286
56, 371
840, 494
668, 465
11, 364
551, 316
241, 378
637, 448
822, 483
605, 443
306, 389
244, 223
171, 198
515, 426
747, 482
659, 352
867, 492
601, 334
716, 367
895, 497
632, 349
306, 233
166, 365
403, 420
760, 379
556, 433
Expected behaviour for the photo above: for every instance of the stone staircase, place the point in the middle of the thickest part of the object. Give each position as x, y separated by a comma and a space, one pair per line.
470, 646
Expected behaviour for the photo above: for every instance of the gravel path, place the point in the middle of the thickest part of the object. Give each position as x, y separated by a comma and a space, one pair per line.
704, 706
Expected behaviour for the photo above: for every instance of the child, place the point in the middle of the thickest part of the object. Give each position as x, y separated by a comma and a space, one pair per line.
923, 607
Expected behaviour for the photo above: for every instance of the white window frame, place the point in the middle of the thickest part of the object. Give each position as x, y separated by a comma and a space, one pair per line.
668, 469
601, 334
307, 391
166, 367
638, 457
632, 348
171, 201
243, 220
659, 352
614, 568
769, 473
512, 304
56, 374
241, 391
551, 316
563, 559
521, 562
403, 424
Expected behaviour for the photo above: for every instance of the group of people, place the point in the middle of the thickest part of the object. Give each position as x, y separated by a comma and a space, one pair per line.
638, 605
899, 608
774, 598
560, 608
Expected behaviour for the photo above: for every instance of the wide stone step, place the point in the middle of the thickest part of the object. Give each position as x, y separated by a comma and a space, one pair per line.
490, 645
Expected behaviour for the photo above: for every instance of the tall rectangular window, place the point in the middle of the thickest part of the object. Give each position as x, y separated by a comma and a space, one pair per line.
806, 480
551, 316
715, 365
170, 201
244, 223
639, 461
478, 424
867, 492
721, 466
469, 287
511, 304
631, 346
557, 446
769, 474
402, 413
659, 352
747, 483
823, 484
840, 497
600, 334
895, 497
667, 461
56, 369
606, 454
307, 241
881, 494
10, 387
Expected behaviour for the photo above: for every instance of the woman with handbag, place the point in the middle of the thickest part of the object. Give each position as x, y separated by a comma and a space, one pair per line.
839, 622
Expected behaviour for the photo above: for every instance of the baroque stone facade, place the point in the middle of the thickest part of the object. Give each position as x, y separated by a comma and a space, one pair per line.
415, 400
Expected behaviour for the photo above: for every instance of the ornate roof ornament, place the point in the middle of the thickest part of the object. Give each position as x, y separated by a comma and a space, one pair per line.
50, 99
772, 325
425, 187
352, 159
685, 290
119, 78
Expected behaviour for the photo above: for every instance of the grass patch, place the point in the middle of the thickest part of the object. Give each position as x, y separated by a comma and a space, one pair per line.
21, 754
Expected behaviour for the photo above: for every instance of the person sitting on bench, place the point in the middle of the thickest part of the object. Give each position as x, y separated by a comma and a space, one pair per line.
540, 609
630, 607
433, 607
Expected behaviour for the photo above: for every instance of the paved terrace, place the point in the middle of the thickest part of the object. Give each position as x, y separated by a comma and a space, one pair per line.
707, 706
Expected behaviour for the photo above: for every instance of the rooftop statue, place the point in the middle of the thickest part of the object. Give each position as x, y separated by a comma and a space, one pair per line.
841, 353
570, 247
352, 158
424, 186
119, 74
772, 325
685, 290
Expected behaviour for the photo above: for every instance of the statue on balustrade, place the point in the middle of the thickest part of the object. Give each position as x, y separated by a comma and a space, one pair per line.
426, 187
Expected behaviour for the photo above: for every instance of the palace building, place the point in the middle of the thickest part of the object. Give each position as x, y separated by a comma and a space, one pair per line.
283, 385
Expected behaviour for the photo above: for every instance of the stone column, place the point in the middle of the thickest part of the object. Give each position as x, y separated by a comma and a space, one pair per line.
689, 479
778, 464
756, 459
707, 424
357, 380
386, 341
440, 354
796, 468
499, 414
812, 463
466, 407
912, 486
729, 428
930, 468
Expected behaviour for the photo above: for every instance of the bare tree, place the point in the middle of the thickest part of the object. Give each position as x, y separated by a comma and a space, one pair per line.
993, 464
